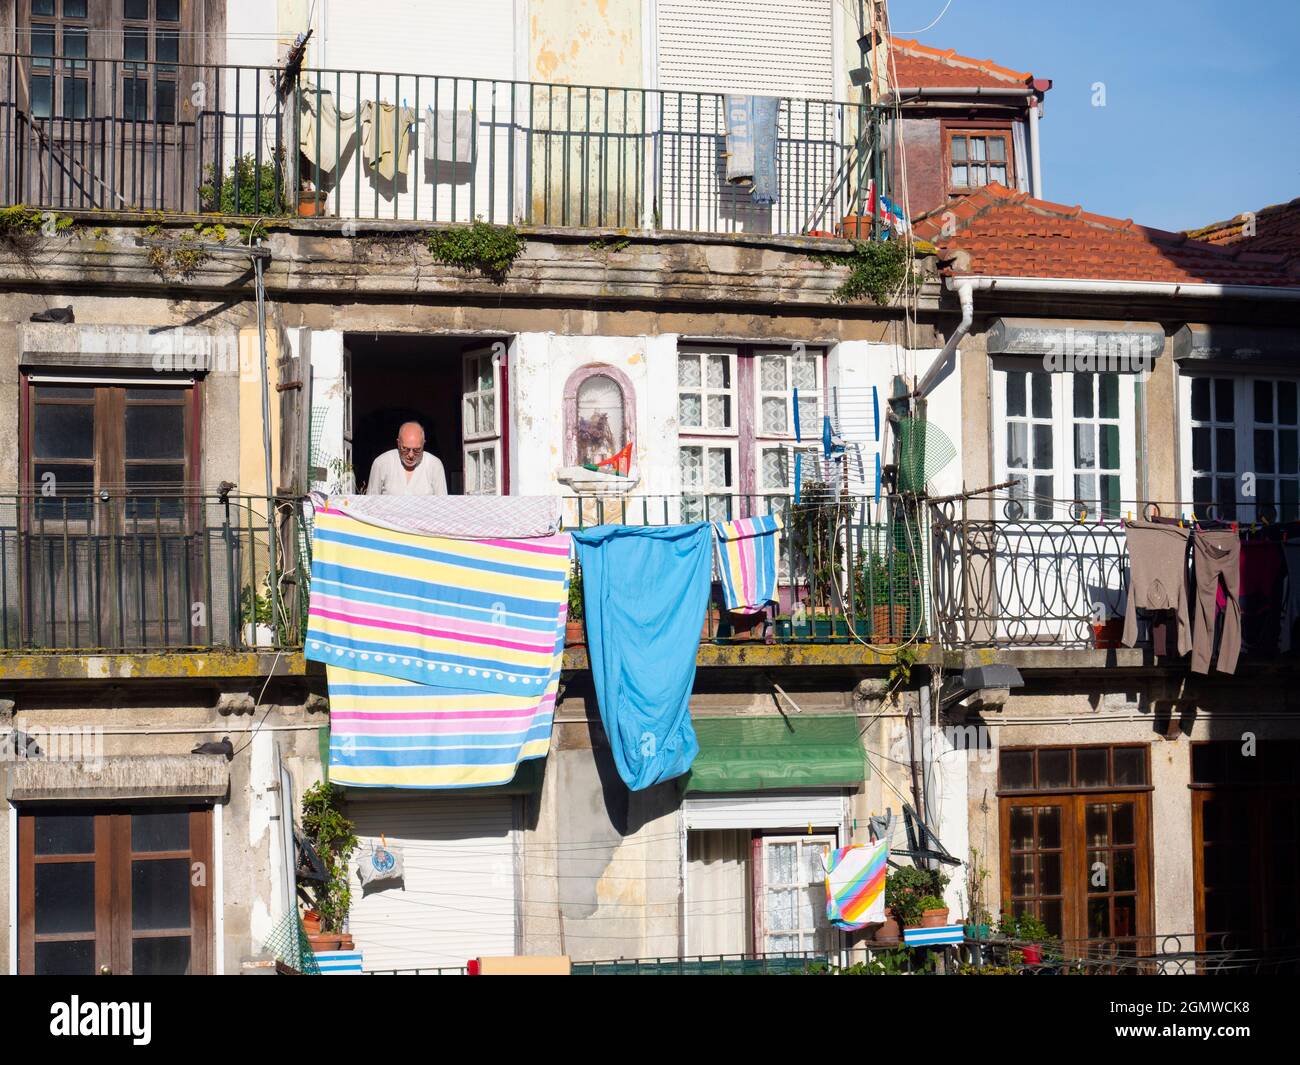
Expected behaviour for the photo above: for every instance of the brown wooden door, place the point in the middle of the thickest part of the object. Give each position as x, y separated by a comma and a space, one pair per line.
114, 889
1081, 864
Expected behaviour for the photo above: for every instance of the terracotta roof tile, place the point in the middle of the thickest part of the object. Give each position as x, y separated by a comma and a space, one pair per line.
1276, 231
918, 65
1009, 234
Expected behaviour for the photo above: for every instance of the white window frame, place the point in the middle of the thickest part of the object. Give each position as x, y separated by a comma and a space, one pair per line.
1062, 422
701, 353
476, 444
821, 927
706, 492
1244, 427
818, 357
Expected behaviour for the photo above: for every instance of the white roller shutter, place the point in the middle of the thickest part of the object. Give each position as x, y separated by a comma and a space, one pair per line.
458, 901
819, 809
765, 47
446, 37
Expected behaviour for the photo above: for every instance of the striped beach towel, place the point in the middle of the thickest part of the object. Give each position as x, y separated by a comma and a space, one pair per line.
485, 615
855, 885
747, 552
443, 656
386, 732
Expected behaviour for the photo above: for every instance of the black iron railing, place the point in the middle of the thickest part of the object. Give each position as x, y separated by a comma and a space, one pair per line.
852, 570
148, 572
248, 140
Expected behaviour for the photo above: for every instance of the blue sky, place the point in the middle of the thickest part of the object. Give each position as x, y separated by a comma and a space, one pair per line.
1202, 114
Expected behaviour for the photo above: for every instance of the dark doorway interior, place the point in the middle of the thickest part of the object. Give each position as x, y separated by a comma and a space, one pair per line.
401, 377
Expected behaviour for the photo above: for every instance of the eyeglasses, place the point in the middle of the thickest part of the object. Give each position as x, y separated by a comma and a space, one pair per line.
410, 450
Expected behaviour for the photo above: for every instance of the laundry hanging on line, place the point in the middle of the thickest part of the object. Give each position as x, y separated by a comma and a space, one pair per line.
747, 553
443, 655
855, 884
645, 591
324, 132
386, 137
450, 136
752, 130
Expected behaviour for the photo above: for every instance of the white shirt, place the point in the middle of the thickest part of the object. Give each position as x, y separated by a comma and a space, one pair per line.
388, 477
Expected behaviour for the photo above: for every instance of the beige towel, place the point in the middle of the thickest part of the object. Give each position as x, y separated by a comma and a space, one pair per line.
386, 137
317, 115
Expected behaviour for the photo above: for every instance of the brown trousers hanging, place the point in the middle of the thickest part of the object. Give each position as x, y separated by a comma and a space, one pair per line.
1216, 556
1157, 556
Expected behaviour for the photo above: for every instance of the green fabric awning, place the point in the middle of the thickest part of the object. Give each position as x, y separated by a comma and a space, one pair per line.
766, 753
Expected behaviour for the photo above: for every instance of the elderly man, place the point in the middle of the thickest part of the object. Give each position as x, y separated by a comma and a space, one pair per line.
407, 470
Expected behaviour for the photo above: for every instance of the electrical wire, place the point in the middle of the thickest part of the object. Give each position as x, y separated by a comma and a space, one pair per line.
924, 29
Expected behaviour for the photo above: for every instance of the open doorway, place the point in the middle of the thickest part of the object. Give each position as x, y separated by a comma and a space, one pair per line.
454, 386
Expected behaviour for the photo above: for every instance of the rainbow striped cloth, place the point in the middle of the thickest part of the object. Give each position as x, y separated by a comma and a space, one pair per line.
443, 655
855, 885
747, 553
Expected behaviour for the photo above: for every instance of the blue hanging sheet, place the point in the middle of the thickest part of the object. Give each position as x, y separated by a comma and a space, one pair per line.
645, 591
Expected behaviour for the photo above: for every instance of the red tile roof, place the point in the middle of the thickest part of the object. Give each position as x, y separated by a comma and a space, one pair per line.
918, 65
1003, 233
1276, 229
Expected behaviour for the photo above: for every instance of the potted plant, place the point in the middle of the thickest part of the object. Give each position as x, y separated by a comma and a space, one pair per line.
311, 201
334, 838
575, 630
885, 584
978, 918
1027, 930
255, 613
934, 912
1108, 633
909, 891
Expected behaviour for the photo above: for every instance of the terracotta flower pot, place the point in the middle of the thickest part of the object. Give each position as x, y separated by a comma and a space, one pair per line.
345, 941
311, 922
934, 918
856, 227
889, 623
324, 941
889, 932
1106, 634
575, 633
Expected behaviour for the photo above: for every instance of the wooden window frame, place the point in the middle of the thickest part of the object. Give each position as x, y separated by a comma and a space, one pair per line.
113, 857
951, 129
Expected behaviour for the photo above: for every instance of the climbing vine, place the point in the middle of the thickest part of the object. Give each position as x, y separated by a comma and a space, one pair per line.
478, 247
877, 268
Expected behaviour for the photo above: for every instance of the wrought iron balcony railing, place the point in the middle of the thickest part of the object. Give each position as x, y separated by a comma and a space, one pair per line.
249, 140
848, 572
143, 573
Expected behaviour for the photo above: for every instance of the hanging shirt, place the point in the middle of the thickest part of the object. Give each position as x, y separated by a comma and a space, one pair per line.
388, 477
386, 137
324, 132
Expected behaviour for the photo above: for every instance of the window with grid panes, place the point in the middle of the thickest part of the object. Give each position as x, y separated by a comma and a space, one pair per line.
1031, 443
1096, 442
1214, 444
979, 157
708, 481
793, 906
780, 374
1276, 449
60, 40
706, 392
150, 33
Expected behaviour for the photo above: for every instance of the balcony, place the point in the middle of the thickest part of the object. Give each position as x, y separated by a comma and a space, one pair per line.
850, 572
112, 135
131, 574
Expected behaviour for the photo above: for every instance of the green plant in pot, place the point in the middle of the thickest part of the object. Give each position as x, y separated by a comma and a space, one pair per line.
910, 891
1028, 929
978, 919
885, 588
335, 840
574, 626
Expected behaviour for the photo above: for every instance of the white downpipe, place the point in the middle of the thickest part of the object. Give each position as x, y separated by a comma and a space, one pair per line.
965, 290
1035, 161
13, 890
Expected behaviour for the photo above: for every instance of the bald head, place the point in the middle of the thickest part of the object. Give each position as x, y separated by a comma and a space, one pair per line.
410, 444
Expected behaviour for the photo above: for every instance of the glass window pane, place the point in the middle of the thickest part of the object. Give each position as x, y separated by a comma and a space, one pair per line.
136, 8
1085, 487
162, 956
998, 173
1083, 389
155, 432
1286, 402
688, 371
781, 862
1017, 446
135, 99
977, 148
1042, 394
773, 471
1130, 766
66, 958
719, 411
1263, 401
1085, 447
1110, 496
960, 178
1049, 874
71, 485
997, 149
135, 44
978, 176
1092, 767
166, 46
774, 414
1054, 769
771, 373
1045, 490
63, 431
959, 149
718, 467
1021, 827
1264, 462
1202, 459
690, 461
803, 371
1108, 395
1286, 451
165, 98
167, 10
717, 371
65, 897
1049, 827
689, 410
42, 7
74, 44
1225, 450
1016, 393
74, 8
160, 894
1121, 821
1097, 824
64, 833
1022, 875
42, 45
42, 96
160, 830
1225, 403
1017, 770
1108, 459
1201, 399
1043, 443
74, 98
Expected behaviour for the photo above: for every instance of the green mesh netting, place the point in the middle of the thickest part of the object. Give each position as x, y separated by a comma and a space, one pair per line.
288, 944
923, 450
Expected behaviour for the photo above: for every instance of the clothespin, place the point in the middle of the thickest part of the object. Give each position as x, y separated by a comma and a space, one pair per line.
1128, 515
810, 828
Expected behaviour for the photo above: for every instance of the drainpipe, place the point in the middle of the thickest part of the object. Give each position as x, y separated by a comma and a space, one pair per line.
965, 289
1035, 164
